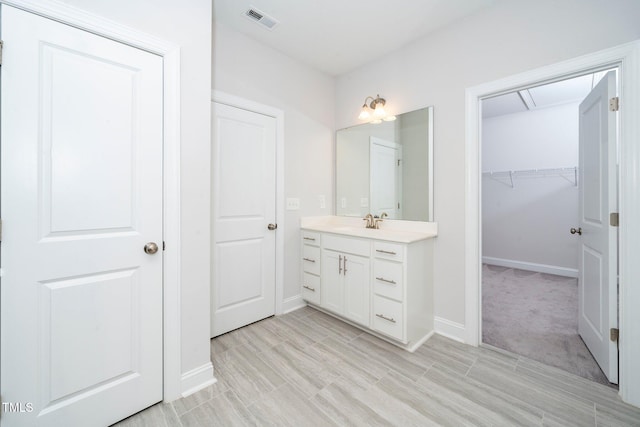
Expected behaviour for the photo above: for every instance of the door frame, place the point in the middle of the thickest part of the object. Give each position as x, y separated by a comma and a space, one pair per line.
627, 58
256, 107
173, 381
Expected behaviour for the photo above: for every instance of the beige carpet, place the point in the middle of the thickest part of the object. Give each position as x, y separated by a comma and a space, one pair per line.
536, 315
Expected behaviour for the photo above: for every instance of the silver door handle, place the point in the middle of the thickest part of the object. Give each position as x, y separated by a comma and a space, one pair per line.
339, 264
151, 248
578, 231
345, 265
272, 226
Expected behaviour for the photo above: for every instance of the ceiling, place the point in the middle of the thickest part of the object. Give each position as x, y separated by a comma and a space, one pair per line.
549, 95
337, 36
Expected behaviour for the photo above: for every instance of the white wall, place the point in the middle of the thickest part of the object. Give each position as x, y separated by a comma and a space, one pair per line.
511, 37
529, 223
248, 69
188, 24
537, 139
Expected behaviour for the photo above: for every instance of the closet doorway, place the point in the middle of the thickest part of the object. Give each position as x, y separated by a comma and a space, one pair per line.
539, 179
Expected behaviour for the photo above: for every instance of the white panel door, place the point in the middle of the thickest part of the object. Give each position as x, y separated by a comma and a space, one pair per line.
356, 288
81, 195
386, 177
244, 192
332, 294
598, 291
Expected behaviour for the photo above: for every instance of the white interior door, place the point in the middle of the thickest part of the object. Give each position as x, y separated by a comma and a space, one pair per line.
244, 193
598, 291
81, 195
386, 177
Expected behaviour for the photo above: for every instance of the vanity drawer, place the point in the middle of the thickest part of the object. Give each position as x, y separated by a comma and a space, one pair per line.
311, 259
346, 244
311, 288
388, 250
387, 317
310, 238
387, 279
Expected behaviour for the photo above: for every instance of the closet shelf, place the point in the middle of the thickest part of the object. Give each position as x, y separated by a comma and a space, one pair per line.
508, 177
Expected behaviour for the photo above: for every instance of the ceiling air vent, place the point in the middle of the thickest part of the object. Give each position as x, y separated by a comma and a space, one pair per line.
261, 18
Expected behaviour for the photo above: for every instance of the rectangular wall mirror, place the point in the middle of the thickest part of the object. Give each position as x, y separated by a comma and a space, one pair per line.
387, 168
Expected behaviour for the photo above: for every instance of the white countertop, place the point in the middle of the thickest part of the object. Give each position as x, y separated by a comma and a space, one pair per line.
390, 230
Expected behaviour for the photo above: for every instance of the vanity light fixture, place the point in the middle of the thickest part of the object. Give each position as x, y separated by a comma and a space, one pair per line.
375, 109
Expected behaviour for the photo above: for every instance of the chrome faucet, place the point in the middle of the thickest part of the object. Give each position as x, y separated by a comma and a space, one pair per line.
370, 222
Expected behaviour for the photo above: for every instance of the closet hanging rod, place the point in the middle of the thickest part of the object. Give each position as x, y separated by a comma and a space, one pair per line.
511, 174
525, 171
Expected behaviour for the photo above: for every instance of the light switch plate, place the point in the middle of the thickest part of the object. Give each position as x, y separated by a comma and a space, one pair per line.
293, 204
364, 202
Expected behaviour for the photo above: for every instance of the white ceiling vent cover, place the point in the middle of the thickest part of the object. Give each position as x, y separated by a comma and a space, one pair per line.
261, 18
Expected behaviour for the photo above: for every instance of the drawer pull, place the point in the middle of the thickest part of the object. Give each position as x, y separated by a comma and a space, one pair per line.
393, 282
386, 252
310, 260
309, 287
388, 319
309, 238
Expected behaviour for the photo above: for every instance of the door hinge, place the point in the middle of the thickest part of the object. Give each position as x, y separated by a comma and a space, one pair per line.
0, 229
398, 162
1, 45
614, 219
398, 205
614, 333
614, 104
163, 245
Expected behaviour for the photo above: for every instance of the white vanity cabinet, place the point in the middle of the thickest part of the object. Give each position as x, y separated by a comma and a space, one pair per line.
345, 277
311, 267
382, 286
403, 290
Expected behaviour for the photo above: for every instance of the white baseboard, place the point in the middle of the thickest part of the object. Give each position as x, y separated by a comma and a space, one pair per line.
197, 379
413, 347
449, 329
292, 304
531, 266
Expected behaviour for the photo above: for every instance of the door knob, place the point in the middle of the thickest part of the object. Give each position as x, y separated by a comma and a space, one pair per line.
272, 226
150, 248
576, 231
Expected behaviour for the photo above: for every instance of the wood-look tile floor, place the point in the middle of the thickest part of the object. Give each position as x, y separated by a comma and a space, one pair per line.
308, 369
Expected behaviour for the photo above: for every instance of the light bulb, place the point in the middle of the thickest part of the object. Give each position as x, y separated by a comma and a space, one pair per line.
379, 111
364, 114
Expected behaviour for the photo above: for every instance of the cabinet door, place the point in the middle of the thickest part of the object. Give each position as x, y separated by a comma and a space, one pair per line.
356, 288
332, 295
